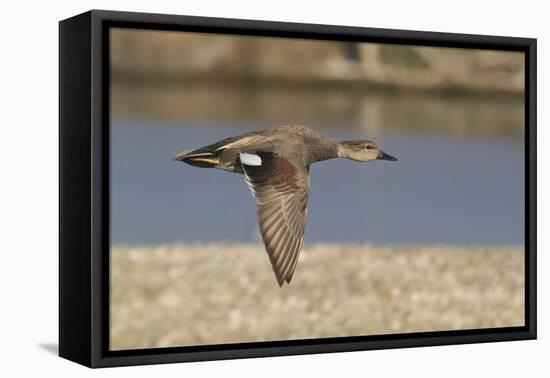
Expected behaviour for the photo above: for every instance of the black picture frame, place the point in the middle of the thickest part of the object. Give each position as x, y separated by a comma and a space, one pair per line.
84, 188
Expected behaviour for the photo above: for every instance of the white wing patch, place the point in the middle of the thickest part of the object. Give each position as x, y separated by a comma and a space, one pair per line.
250, 159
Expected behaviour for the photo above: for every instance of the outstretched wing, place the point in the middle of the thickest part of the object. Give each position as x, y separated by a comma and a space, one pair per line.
281, 189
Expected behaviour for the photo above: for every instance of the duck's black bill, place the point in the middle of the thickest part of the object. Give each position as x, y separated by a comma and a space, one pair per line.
384, 156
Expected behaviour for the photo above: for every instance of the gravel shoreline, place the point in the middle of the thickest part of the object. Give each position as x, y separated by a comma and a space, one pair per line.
193, 294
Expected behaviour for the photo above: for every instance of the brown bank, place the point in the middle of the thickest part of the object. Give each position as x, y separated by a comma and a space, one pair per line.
174, 295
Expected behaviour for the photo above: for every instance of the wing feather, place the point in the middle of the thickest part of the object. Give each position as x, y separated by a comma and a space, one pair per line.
281, 189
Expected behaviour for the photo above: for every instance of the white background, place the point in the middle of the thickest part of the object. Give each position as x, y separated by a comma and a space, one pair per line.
29, 186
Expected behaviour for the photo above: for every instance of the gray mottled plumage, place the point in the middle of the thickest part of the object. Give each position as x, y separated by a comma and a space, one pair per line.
275, 163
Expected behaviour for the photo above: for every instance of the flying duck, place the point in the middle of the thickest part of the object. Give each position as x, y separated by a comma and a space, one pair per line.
275, 163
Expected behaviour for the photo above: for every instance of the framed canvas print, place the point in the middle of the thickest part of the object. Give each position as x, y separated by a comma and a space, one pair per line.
234, 188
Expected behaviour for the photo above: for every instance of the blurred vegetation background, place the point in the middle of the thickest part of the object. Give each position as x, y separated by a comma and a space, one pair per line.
175, 56
174, 75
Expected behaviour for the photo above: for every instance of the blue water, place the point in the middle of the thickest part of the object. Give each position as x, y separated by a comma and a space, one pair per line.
442, 189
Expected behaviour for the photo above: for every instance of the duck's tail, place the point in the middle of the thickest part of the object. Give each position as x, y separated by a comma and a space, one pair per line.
199, 158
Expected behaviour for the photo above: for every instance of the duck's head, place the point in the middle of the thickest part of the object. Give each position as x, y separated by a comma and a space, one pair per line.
362, 150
